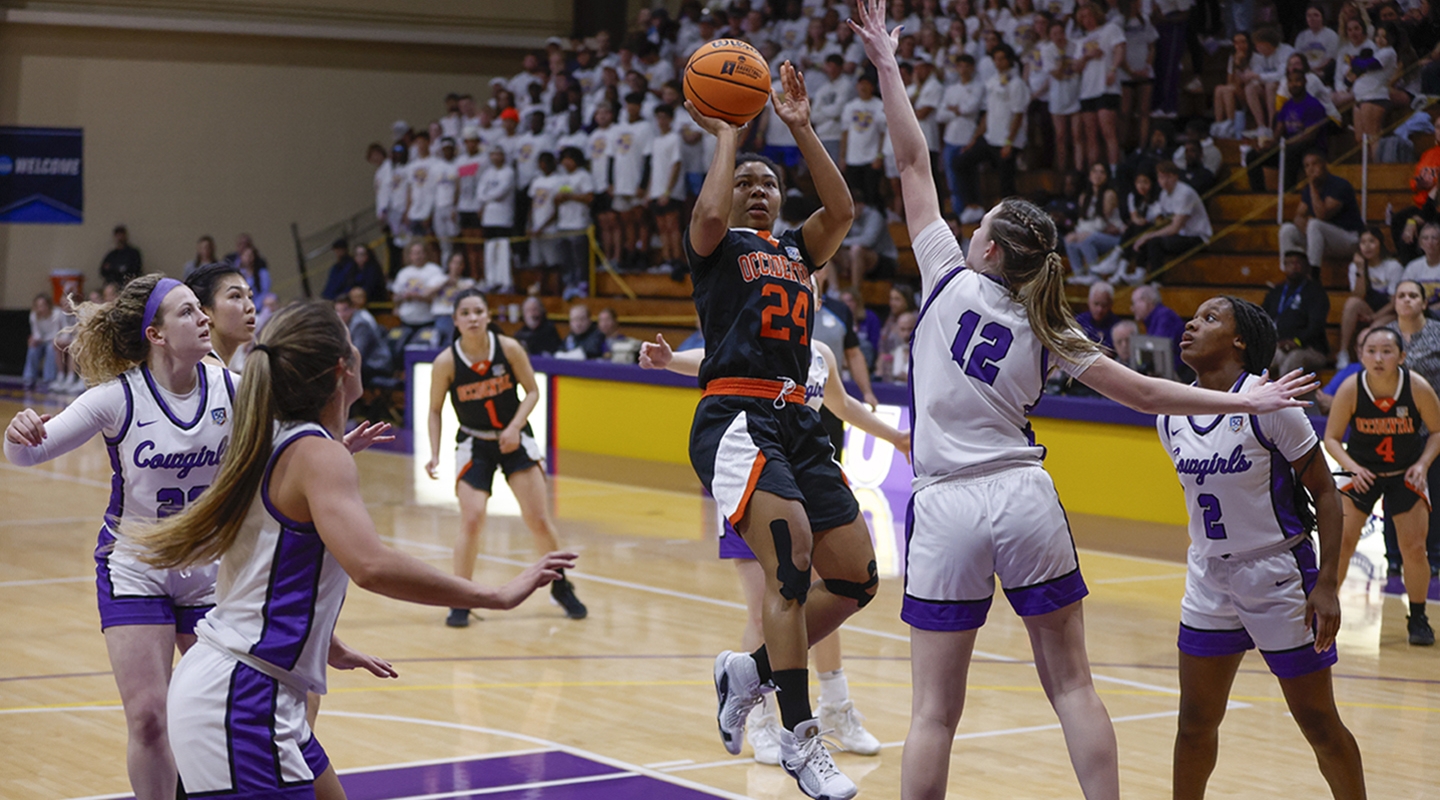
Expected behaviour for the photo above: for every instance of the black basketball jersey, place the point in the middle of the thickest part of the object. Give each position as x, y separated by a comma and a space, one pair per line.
484, 392
755, 305
1386, 432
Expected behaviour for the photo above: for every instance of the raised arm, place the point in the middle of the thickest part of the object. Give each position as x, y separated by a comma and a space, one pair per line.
327, 483
850, 410
32, 438
912, 154
826, 228
711, 217
1158, 396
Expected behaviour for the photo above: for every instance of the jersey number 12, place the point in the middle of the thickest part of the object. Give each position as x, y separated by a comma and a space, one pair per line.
995, 341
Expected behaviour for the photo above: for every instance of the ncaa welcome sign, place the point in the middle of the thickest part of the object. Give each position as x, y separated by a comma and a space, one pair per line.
41, 177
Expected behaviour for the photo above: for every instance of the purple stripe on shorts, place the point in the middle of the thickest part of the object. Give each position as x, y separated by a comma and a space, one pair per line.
1298, 661
476, 774
290, 602
1208, 644
732, 546
249, 727
1305, 560
315, 756
187, 616
940, 615
132, 610
1052, 595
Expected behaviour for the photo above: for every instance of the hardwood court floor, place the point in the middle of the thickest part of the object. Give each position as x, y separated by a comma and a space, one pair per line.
529, 704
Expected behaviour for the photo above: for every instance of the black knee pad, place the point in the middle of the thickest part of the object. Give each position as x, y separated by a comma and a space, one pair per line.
794, 583
861, 593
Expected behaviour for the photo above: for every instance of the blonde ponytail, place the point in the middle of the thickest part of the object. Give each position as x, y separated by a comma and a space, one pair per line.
289, 376
109, 338
1036, 276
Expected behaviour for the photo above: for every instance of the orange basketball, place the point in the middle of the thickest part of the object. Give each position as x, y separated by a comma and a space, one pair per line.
728, 79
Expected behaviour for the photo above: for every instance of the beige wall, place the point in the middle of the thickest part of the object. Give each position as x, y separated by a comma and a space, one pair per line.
201, 133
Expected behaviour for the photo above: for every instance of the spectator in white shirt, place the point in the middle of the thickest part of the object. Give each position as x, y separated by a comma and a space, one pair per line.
1268, 64
1007, 99
497, 220
629, 146
1317, 43
599, 152
1372, 70
445, 221
544, 246
863, 119
1355, 41
959, 112
828, 96
1187, 224
574, 194
528, 147
1059, 60
868, 249
421, 179
666, 193
467, 202
1137, 74
375, 155
926, 95
413, 291
45, 323
1102, 51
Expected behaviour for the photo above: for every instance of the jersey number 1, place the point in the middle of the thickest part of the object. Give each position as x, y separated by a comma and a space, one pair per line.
791, 316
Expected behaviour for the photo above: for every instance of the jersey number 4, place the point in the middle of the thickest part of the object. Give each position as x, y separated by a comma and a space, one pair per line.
1386, 449
995, 341
789, 316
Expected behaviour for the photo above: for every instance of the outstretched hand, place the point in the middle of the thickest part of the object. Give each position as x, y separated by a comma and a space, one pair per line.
366, 434
542, 572
879, 43
710, 125
792, 102
342, 656
656, 354
1271, 395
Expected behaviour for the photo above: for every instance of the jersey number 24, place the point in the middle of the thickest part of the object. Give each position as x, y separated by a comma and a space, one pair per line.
789, 316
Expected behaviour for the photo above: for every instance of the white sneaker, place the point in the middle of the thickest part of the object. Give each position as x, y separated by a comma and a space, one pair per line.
1108, 265
803, 757
763, 731
1081, 279
971, 215
1343, 360
737, 688
848, 727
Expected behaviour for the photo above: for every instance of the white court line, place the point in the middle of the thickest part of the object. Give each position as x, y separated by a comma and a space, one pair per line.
45, 581
661, 765
1127, 557
41, 473
451, 760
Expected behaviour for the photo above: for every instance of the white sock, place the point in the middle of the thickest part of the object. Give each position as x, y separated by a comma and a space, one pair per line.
834, 689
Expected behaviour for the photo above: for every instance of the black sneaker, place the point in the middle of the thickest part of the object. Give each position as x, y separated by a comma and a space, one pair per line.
1420, 631
459, 618
563, 592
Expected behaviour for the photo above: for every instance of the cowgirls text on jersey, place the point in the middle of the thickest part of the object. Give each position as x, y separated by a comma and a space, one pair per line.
1214, 465
184, 462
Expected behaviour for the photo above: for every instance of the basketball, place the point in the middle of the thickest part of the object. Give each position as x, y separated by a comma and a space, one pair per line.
728, 79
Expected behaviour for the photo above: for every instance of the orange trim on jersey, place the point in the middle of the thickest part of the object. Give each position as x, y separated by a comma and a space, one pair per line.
755, 387
480, 367
755, 470
463, 470
767, 237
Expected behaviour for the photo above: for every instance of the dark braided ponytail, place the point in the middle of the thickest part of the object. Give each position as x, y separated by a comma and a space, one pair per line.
1256, 330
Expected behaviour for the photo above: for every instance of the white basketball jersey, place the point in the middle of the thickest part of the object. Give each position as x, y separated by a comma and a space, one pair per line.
976, 369
279, 590
816, 379
167, 452
1235, 468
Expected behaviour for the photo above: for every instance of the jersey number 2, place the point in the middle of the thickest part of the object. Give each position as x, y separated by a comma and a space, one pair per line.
995, 341
1211, 505
791, 316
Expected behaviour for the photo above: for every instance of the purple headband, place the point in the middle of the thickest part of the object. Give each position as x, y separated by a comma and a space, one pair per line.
157, 296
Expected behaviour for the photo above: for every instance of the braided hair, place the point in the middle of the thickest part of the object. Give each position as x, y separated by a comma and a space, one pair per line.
1035, 273
1256, 330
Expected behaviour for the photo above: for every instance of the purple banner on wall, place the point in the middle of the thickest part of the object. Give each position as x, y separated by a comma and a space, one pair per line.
41, 175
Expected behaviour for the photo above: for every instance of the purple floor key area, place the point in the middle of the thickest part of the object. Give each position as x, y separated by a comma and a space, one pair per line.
551, 775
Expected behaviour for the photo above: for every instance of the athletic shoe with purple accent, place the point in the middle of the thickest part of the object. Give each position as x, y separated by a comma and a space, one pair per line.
803, 757
1420, 632
737, 688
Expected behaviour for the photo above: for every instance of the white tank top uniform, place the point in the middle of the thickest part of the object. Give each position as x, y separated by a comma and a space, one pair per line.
1251, 563
983, 504
731, 545
164, 449
237, 700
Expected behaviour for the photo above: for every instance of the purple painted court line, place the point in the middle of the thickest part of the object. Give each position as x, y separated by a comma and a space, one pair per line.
635, 787
52, 677
480, 773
